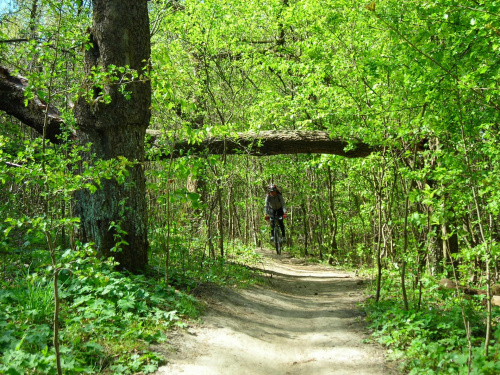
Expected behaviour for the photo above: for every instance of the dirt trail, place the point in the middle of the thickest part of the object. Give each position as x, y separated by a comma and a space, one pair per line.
306, 322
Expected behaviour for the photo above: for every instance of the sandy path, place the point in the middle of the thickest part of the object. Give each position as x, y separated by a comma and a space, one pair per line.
305, 322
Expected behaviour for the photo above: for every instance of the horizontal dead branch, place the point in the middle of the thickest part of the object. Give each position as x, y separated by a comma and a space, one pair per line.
495, 290
266, 143
4, 41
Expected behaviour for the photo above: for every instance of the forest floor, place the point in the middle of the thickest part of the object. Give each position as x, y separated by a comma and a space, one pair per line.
303, 320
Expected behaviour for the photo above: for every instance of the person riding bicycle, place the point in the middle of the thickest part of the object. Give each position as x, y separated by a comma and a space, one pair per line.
275, 203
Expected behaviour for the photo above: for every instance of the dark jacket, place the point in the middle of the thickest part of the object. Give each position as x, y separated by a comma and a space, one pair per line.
274, 203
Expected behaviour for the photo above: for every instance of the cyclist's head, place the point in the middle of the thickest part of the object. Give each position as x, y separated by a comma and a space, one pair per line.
272, 188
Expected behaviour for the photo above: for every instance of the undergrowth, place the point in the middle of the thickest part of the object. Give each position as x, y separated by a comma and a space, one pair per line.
432, 339
110, 321
191, 266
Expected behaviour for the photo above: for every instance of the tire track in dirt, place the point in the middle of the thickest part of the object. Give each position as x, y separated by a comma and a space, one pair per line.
304, 322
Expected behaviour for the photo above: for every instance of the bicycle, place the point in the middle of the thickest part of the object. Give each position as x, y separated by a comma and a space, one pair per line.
278, 238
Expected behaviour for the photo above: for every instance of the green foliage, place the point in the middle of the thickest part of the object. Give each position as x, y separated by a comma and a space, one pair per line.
394, 74
108, 319
433, 339
191, 269
35, 296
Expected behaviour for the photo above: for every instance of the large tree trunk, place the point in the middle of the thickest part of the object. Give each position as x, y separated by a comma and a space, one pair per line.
120, 37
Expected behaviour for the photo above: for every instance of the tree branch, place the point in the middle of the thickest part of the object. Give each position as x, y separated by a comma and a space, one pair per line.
13, 102
5, 41
265, 143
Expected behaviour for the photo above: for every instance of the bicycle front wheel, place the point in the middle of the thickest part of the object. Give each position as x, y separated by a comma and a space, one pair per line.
277, 239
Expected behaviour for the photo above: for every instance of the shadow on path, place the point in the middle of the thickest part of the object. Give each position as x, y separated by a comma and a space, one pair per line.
305, 321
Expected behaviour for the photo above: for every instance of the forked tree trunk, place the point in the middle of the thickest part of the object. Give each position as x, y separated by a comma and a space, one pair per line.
120, 37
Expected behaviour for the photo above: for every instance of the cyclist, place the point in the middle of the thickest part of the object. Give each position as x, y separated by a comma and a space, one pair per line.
275, 203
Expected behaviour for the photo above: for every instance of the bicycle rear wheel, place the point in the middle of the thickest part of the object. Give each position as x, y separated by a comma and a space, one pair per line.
277, 239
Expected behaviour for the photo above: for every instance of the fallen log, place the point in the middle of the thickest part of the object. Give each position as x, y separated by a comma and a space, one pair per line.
450, 284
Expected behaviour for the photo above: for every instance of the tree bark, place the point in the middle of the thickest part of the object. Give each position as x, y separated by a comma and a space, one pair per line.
266, 143
331, 183
30, 112
120, 37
